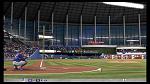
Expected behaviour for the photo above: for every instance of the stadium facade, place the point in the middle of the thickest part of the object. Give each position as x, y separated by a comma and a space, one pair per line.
102, 32
76, 24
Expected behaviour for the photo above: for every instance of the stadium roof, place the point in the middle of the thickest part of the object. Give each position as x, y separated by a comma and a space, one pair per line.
74, 10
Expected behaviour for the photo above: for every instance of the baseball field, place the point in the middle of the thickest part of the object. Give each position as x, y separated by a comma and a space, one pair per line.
80, 69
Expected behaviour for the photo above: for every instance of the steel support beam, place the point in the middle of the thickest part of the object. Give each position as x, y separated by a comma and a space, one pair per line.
67, 30
139, 29
25, 25
38, 23
52, 27
95, 29
4, 21
43, 38
109, 32
81, 29
19, 27
34, 32
124, 30
11, 27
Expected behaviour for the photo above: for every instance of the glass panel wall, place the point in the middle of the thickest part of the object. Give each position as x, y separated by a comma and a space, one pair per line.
132, 34
59, 32
116, 33
102, 33
73, 34
143, 34
87, 33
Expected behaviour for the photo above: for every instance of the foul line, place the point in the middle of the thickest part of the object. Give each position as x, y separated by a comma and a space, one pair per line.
41, 63
99, 69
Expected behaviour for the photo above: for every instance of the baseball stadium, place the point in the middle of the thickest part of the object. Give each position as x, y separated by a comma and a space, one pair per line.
74, 41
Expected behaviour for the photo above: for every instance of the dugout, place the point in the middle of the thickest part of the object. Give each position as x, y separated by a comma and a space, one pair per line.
107, 49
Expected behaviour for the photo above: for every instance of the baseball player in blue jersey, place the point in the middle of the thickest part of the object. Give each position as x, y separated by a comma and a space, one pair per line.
20, 60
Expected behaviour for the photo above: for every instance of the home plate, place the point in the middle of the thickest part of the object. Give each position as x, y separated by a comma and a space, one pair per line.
42, 68
65, 68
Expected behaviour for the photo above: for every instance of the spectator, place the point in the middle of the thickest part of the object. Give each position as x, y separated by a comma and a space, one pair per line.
10, 49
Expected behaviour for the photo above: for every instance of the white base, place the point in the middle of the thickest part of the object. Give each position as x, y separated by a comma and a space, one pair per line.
42, 67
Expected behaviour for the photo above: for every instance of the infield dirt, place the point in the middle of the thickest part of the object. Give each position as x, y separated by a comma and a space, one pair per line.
35, 69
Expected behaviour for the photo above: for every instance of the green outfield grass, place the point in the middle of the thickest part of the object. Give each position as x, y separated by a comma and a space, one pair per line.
109, 70
9, 63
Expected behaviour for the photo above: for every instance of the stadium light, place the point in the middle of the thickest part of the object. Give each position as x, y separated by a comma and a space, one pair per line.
46, 37
4, 30
126, 4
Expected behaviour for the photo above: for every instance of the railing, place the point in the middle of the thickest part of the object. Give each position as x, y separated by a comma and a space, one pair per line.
143, 45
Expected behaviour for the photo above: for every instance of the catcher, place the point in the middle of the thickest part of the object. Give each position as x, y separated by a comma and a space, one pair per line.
20, 60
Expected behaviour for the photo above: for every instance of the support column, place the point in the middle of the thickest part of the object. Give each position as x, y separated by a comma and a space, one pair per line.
124, 33
139, 30
49, 42
34, 32
52, 27
43, 39
66, 30
38, 23
81, 30
11, 20
25, 24
19, 27
95, 29
109, 32
4, 21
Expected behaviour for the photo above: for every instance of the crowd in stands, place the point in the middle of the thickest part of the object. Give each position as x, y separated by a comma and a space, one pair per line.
115, 56
12, 48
